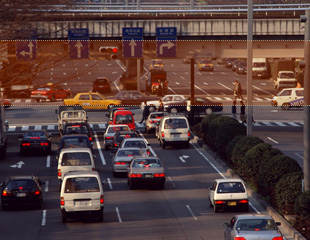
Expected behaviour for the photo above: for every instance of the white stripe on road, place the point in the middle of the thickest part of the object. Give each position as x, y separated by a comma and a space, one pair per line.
293, 124
24, 128
182, 159
280, 124
28, 100
12, 128
37, 127
46, 186
224, 86
44, 218
110, 184
117, 80
50, 127
48, 161
191, 212
91, 125
217, 98
172, 90
268, 124
262, 90
202, 90
172, 183
99, 149
297, 154
101, 125
272, 140
118, 214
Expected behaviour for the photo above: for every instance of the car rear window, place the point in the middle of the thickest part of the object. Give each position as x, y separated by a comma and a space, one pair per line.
116, 129
20, 184
157, 115
34, 135
75, 142
123, 119
145, 163
174, 123
256, 225
76, 159
76, 129
138, 144
128, 153
230, 187
82, 184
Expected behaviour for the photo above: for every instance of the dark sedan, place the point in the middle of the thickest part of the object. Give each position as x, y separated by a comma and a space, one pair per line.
102, 85
35, 141
118, 138
74, 141
200, 105
132, 98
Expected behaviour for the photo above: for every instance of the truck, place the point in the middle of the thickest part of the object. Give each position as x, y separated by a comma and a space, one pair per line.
284, 74
71, 116
154, 79
259, 68
4, 126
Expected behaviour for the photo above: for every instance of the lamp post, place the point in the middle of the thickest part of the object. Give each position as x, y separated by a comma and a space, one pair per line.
249, 69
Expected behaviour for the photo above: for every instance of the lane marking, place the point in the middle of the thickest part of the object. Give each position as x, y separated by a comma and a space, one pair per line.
48, 161
262, 90
201, 90
272, 140
280, 124
118, 215
182, 159
182, 77
99, 149
43, 218
172, 183
297, 154
172, 90
46, 186
177, 83
224, 86
191, 212
223, 73
110, 184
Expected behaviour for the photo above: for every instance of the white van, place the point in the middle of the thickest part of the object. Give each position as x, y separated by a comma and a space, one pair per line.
74, 159
289, 97
81, 194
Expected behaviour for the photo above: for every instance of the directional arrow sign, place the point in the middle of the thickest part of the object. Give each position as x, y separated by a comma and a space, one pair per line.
18, 165
26, 50
132, 47
166, 47
79, 49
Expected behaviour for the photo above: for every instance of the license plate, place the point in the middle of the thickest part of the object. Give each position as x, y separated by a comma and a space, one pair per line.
148, 175
81, 203
232, 203
259, 75
21, 194
175, 135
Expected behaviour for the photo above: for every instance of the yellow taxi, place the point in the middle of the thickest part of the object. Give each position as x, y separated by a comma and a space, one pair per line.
91, 100
156, 64
205, 65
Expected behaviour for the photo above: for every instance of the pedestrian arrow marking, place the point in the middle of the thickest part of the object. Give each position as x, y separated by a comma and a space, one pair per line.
18, 165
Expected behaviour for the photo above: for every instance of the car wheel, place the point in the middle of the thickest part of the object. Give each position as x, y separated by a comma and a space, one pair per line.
209, 111
285, 106
163, 145
131, 186
53, 98
187, 144
210, 203
64, 218
215, 208
173, 110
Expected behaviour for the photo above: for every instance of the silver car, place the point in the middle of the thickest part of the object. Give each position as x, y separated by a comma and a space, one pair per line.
252, 227
137, 143
122, 158
110, 132
151, 121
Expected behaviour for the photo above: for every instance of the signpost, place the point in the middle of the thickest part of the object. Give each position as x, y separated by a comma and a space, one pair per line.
132, 42
166, 42
78, 43
26, 50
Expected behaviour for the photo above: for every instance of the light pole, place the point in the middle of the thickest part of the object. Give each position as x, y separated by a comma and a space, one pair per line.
249, 69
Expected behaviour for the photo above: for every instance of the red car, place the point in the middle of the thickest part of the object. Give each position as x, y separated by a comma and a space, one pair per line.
50, 92
7, 103
102, 85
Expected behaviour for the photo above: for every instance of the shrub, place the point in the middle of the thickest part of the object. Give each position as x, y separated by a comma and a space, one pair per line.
212, 130
255, 157
225, 133
302, 205
241, 148
230, 147
288, 189
206, 122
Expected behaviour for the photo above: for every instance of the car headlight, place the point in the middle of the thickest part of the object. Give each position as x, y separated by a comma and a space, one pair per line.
166, 106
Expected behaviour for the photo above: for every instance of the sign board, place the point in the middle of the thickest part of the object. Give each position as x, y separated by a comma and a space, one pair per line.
26, 50
166, 32
78, 43
78, 34
166, 42
132, 42
133, 32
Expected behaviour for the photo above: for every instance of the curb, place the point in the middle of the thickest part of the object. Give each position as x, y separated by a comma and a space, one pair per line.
271, 211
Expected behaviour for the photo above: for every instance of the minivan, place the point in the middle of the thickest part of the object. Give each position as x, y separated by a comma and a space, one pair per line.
124, 117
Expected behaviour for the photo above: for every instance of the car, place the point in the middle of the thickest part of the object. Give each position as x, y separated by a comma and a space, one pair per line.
146, 170
228, 193
235, 65
241, 68
121, 117
288, 98
200, 106
35, 141
74, 141
174, 130
50, 92
102, 85
69, 117
108, 136
252, 226
74, 159
167, 99
91, 100
118, 138
132, 98
111, 113
122, 159
229, 62
156, 64
21, 190
81, 194
137, 143
78, 128
205, 65
7, 103
152, 120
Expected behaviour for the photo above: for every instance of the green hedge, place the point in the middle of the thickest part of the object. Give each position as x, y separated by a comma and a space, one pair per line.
288, 189
206, 122
230, 147
302, 205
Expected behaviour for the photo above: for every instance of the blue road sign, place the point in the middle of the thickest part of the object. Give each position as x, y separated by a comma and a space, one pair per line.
133, 32
79, 49
166, 47
133, 47
166, 32
26, 50
78, 33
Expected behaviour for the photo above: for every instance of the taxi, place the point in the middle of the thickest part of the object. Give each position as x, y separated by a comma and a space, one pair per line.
91, 100
205, 65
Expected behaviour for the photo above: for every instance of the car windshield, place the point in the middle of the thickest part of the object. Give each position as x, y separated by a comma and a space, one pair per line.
137, 144
116, 129
76, 159
230, 187
259, 64
129, 153
76, 129
173, 123
121, 119
287, 75
82, 184
20, 184
75, 142
256, 225
146, 163
32, 135
44, 89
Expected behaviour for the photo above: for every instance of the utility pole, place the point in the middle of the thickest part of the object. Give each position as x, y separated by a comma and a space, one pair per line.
249, 69
306, 19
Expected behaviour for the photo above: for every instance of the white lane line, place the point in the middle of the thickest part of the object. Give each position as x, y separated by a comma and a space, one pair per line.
177, 83
223, 73
99, 149
224, 86
117, 80
297, 154
37, 127
48, 161
272, 140
191, 212
174, 73
172, 90
255, 209
205, 83
121, 66
118, 215
182, 159
172, 183
182, 77
150, 148
50, 127
12, 128
28, 100
199, 73
263, 90
46, 186
186, 73
44, 218
202, 90
110, 184
24, 128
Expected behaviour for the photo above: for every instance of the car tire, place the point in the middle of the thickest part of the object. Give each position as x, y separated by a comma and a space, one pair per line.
209, 111
215, 208
187, 144
53, 99
210, 203
173, 110
285, 106
131, 186
64, 218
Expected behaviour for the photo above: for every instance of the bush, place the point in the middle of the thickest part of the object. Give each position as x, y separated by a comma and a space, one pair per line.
225, 133
288, 189
206, 122
255, 157
212, 129
230, 147
302, 206
241, 148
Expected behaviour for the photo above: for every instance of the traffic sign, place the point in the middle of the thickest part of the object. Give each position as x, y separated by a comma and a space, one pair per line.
166, 32
166, 47
26, 50
132, 32
79, 49
133, 47
78, 34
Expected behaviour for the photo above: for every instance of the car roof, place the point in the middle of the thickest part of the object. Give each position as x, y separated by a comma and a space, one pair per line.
21, 177
117, 125
79, 149
122, 112
130, 148
292, 89
222, 180
82, 174
134, 139
253, 216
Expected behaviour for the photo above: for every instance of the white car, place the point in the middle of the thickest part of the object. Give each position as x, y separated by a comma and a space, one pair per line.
167, 99
289, 97
152, 120
229, 192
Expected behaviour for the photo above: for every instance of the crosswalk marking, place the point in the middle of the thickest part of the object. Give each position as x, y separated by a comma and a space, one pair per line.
293, 124
50, 127
280, 124
24, 128
12, 128
37, 127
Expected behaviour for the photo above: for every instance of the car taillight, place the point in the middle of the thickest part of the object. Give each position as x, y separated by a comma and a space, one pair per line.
62, 201
6, 193
243, 201
189, 133
59, 173
44, 144
115, 144
107, 137
136, 175
120, 163
36, 192
277, 238
159, 175
162, 134
110, 122
90, 138
25, 144
219, 202
148, 152
240, 238
101, 199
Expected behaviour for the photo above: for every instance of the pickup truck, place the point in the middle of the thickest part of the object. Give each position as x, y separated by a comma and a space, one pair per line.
285, 79
71, 116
